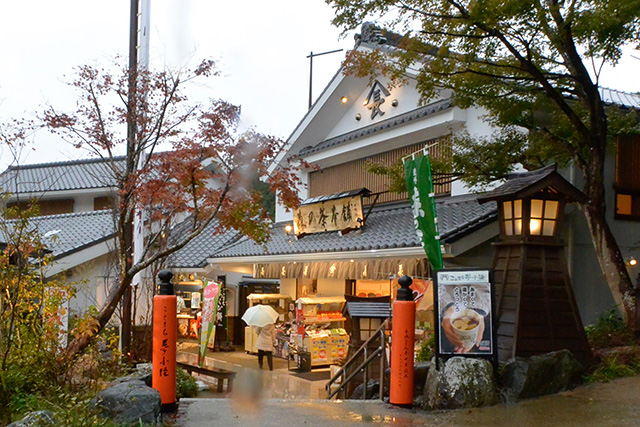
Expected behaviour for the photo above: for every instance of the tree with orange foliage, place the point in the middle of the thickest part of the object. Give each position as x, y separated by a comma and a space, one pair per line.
184, 161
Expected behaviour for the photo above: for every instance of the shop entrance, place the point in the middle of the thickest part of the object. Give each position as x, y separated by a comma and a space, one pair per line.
246, 288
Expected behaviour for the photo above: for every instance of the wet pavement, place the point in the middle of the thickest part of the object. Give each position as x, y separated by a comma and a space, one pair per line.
281, 383
283, 398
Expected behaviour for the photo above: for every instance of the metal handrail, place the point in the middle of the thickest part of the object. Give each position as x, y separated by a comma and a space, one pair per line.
381, 350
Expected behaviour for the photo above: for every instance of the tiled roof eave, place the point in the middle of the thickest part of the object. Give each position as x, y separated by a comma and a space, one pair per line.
84, 246
468, 228
390, 123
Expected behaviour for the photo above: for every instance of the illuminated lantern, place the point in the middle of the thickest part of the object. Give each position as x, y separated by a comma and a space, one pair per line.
537, 311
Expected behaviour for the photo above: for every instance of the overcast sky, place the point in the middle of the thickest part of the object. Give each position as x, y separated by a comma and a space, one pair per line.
261, 47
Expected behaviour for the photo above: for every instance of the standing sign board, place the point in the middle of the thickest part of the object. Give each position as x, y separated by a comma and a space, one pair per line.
465, 320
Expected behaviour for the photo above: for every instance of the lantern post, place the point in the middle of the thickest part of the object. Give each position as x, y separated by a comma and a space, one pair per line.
164, 342
402, 345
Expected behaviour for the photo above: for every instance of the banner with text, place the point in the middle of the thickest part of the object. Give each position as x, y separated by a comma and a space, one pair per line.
208, 319
420, 187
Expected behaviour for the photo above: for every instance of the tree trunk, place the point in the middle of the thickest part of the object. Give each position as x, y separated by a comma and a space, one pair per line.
84, 338
611, 262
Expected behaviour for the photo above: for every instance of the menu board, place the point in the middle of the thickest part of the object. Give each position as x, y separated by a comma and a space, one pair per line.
465, 312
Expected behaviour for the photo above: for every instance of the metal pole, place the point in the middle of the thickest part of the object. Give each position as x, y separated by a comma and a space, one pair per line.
365, 377
131, 122
383, 354
310, 78
311, 55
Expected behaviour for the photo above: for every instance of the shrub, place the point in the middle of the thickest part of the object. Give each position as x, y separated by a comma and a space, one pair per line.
609, 330
185, 384
426, 350
610, 369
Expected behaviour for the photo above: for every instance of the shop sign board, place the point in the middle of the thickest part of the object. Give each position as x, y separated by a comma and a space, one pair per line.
465, 321
328, 215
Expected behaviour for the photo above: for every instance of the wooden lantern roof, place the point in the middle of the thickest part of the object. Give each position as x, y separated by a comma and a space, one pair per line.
528, 184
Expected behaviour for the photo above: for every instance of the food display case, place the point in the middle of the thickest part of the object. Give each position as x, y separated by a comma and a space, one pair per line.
281, 303
320, 329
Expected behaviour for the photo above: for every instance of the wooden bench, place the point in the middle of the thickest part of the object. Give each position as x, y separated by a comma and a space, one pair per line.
219, 374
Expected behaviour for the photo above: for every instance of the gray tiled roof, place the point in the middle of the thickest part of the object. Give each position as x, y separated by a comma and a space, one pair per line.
65, 234
524, 184
387, 227
618, 97
58, 176
418, 113
195, 253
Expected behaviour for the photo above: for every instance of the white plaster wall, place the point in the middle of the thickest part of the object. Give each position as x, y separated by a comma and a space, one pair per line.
93, 282
90, 284
407, 96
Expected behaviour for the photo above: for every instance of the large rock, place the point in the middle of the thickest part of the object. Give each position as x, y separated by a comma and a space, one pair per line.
420, 372
129, 402
539, 375
36, 419
373, 390
461, 383
143, 372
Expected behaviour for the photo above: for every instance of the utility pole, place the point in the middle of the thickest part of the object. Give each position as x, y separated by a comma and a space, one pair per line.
311, 56
138, 58
125, 339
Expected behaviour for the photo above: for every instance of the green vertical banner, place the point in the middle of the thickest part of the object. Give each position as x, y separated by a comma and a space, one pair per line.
420, 186
208, 318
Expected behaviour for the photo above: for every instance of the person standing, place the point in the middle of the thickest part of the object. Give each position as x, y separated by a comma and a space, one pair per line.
266, 338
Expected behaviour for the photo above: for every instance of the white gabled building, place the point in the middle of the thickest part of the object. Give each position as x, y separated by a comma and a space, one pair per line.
77, 223
355, 121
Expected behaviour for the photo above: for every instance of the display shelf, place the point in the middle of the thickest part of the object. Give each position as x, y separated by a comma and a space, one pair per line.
309, 320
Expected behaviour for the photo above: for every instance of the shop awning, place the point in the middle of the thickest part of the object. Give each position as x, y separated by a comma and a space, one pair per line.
375, 269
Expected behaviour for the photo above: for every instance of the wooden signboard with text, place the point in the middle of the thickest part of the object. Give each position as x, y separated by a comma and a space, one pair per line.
330, 215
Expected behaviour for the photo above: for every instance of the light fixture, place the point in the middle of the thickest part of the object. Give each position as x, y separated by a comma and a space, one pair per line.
631, 261
394, 103
358, 117
344, 99
530, 217
288, 228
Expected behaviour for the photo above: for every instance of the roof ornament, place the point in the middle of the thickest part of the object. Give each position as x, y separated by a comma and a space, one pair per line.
370, 34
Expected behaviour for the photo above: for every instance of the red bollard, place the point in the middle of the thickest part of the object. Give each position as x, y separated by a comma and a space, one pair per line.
402, 344
164, 342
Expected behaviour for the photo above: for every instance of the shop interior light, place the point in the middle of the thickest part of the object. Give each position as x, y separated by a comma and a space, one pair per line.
288, 228
344, 99
632, 261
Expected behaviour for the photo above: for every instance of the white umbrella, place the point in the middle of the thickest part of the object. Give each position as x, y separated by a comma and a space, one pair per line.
260, 315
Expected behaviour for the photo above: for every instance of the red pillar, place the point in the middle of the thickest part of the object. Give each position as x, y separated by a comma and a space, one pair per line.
402, 344
164, 342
